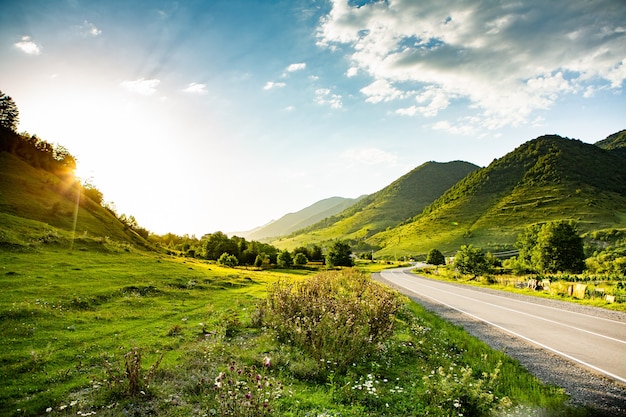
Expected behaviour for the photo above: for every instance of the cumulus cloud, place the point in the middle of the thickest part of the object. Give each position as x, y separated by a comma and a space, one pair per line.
325, 96
382, 90
141, 86
503, 60
195, 88
27, 46
272, 84
296, 67
369, 156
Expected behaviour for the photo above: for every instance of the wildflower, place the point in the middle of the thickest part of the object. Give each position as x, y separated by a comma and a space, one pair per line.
266, 361
49, 410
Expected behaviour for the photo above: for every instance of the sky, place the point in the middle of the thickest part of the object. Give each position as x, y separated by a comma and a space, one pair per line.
222, 115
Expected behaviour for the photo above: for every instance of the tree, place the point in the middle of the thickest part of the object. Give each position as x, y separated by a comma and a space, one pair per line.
339, 254
227, 259
284, 259
315, 254
526, 243
300, 259
551, 247
435, 257
559, 248
9, 115
471, 260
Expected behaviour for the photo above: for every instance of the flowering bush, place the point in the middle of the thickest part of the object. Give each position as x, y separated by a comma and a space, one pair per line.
336, 317
245, 391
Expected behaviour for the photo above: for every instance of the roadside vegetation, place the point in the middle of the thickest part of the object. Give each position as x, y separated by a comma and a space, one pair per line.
119, 331
553, 260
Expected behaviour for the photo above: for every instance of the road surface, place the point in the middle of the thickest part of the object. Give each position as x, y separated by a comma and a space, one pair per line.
596, 343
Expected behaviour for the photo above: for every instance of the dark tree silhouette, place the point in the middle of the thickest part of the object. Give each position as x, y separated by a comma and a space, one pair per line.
9, 115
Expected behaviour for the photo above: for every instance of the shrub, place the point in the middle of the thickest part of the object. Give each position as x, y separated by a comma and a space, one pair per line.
337, 317
227, 259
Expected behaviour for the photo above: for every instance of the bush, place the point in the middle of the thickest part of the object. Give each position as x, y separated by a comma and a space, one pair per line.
227, 259
336, 317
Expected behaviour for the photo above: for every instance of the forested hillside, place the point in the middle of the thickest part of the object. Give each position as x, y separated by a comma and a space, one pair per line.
548, 178
41, 200
402, 199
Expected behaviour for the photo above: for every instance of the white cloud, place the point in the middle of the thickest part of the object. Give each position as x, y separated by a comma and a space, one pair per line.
325, 96
382, 90
141, 86
503, 60
195, 88
296, 67
271, 84
369, 156
352, 72
27, 46
89, 29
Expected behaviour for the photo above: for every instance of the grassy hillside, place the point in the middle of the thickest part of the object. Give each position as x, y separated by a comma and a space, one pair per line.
402, 199
545, 179
291, 222
37, 205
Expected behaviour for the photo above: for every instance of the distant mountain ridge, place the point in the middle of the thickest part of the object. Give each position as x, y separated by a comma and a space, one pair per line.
292, 222
402, 199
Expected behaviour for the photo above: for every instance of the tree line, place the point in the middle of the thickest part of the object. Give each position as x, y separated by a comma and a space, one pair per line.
236, 250
543, 248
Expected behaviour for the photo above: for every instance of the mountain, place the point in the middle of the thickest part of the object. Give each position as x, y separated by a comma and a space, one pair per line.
299, 220
548, 178
402, 199
39, 205
614, 141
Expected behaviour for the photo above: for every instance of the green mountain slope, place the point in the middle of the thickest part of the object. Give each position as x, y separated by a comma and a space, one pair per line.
402, 199
291, 222
545, 179
37, 206
614, 141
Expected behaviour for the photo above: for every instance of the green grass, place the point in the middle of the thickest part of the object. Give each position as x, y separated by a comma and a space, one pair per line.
507, 283
63, 314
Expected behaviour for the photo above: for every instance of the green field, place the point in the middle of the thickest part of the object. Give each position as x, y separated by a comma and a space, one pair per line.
68, 318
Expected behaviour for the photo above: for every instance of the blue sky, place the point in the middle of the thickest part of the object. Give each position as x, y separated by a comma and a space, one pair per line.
199, 116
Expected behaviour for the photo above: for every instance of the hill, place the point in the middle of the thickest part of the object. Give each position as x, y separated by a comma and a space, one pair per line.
291, 222
402, 199
614, 141
38, 202
548, 178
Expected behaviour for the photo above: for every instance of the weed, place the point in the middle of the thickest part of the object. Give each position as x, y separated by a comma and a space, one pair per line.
243, 391
132, 374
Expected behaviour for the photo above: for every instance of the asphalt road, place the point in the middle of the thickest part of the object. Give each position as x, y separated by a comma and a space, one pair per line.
596, 343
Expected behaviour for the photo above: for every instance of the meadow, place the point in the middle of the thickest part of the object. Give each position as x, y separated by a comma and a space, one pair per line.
109, 330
